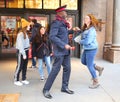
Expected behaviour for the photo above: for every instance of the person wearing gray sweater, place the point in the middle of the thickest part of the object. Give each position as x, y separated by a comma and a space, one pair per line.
22, 46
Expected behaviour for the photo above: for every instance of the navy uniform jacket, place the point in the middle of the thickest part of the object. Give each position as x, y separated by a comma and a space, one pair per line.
59, 37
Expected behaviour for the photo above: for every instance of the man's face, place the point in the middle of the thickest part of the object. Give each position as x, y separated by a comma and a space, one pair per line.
63, 14
31, 23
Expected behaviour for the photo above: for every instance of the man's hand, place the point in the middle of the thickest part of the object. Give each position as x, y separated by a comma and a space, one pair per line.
67, 47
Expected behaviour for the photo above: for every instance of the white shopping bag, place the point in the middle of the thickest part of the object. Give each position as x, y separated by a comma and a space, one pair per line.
77, 39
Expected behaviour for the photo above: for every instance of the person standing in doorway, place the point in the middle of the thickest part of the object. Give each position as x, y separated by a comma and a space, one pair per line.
61, 50
34, 30
22, 46
89, 44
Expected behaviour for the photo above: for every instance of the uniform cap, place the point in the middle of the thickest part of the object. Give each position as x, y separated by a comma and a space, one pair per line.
62, 8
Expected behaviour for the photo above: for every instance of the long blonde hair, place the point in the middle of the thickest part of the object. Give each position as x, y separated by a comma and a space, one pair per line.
22, 30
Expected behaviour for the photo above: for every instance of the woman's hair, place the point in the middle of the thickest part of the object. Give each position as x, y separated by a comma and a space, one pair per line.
94, 22
38, 38
19, 29
22, 30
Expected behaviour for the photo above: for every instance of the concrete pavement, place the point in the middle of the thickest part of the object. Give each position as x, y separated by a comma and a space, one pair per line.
109, 90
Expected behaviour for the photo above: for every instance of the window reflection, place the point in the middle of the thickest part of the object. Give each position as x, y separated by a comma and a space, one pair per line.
37, 4
8, 26
33, 4
41, 20
14, 4
51, 4
71, 4
2, 4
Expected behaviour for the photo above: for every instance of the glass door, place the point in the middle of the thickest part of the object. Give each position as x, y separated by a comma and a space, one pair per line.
8, 32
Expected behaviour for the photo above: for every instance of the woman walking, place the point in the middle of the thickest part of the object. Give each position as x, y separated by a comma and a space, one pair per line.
90, 46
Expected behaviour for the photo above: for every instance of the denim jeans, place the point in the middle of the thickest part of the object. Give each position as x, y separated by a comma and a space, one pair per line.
87, 59
33, 61
40, 65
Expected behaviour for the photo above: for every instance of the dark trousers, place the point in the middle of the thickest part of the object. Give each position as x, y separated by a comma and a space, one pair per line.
58, 61
21, 66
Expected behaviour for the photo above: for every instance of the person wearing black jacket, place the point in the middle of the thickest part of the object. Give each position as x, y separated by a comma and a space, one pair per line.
34, 32
43, 50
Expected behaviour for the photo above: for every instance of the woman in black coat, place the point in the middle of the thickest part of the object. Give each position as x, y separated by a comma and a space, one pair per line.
43, 50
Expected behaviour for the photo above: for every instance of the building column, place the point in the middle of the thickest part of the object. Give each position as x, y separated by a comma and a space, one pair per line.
114, 50
109, 28
0, 45
116, 29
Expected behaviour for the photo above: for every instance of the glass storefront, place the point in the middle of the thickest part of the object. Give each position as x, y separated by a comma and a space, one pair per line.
9, 25
39, 4
36, 4
2, 4
71, 4
28, 9
14, 3
8, 31
50, 4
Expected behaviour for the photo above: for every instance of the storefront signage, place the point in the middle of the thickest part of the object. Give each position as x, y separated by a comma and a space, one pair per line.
11, 23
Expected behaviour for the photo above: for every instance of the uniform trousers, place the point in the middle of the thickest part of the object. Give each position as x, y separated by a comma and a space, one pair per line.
58, 61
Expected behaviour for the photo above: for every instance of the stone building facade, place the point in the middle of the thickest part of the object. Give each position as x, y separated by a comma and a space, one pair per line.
98, 8
108, 37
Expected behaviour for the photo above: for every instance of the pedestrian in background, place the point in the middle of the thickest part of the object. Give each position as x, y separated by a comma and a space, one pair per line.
34, 30
43, 50
90, 46
22, 46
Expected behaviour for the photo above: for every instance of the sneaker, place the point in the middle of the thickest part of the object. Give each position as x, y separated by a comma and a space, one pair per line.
42, 79
18, 83
94, 86
33, 67
25, 82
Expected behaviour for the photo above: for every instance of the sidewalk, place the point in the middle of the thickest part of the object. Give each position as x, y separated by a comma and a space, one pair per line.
109, 90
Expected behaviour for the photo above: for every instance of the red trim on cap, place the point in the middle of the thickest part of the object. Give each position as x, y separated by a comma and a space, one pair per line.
61, 9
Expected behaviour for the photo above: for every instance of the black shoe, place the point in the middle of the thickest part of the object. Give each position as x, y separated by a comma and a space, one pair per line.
47, 94
67, 91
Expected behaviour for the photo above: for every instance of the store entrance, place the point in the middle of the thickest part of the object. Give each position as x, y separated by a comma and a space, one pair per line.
10, 24
8, 32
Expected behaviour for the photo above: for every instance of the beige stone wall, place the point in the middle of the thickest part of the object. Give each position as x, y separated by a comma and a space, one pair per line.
98, 8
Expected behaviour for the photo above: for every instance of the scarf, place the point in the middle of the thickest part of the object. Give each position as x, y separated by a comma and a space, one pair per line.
59, 18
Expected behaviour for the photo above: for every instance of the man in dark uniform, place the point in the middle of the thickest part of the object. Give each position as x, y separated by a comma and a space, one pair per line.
61, 49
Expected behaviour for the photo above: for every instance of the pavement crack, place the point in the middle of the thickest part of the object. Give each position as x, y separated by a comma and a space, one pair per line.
111, 97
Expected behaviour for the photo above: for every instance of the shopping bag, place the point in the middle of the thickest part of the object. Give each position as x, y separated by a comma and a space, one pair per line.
77, 39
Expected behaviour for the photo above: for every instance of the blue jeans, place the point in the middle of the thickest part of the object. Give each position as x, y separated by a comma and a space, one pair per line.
40, 65
33, 61
87, 59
